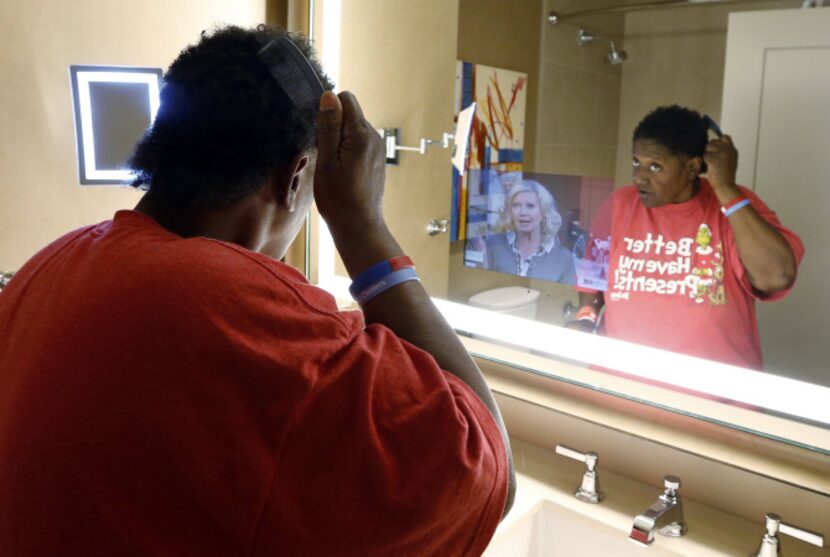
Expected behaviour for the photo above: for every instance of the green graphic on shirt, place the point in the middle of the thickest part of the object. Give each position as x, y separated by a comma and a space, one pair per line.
707, 274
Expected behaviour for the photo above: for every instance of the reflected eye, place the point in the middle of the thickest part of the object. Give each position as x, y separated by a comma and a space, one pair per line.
654, 167
635, 163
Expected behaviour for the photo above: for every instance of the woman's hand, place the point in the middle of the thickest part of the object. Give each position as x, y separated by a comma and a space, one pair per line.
351, 166
766, 256
722, 161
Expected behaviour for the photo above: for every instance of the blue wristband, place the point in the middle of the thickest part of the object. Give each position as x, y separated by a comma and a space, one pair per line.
377, 272
737, 206
385, 283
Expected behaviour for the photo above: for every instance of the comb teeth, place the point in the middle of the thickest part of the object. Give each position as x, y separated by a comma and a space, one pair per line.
293, 72
712, 125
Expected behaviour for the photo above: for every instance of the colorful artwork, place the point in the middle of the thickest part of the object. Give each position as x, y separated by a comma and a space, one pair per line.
496, 139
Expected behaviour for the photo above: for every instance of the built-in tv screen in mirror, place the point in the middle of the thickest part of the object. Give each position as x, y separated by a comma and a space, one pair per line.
540, 226
113, 108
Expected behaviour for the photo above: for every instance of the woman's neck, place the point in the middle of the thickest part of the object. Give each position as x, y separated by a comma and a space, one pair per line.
691, 191
528, 242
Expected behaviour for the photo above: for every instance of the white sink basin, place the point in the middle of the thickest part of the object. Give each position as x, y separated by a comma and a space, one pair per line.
548, 529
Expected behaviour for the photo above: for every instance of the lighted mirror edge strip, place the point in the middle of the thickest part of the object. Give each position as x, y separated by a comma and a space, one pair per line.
84, 79
85, 104
76, 121
779, 394
625, 396
81, 78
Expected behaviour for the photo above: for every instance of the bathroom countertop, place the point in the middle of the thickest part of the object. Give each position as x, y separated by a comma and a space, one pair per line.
733, 446
711, 532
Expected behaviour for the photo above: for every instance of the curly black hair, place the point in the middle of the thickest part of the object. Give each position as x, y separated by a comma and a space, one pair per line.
681, 130
224, 123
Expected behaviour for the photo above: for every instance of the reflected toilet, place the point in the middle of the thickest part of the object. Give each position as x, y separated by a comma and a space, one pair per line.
509, 300
512, 300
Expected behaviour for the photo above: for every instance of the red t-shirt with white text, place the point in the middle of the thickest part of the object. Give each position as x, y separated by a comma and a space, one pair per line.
676, 281
170, 396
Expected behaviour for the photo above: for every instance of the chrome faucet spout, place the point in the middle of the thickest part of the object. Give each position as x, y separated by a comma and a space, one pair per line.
665, 516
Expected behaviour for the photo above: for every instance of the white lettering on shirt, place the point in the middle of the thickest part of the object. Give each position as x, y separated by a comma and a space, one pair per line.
656, 265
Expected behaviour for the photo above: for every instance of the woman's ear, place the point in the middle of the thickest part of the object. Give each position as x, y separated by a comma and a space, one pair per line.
288, 195
695, 166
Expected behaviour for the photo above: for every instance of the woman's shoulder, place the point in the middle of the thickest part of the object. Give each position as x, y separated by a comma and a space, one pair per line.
625, 193
496, 239
557, 255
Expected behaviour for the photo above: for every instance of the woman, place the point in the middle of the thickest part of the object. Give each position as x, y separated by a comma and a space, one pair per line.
526, 242
690, 255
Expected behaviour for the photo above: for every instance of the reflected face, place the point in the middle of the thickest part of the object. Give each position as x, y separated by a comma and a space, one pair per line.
527, 214
661, 176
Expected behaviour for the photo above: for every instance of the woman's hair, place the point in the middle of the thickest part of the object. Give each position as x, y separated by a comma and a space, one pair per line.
551, 220
224, 124
680, 130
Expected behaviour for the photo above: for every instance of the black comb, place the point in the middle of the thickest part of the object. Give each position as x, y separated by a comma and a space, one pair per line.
293, 73
710, 123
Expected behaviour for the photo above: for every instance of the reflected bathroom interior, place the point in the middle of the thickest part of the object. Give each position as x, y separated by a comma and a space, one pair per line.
577, 122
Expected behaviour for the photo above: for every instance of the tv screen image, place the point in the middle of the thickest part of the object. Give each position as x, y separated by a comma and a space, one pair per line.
542, 226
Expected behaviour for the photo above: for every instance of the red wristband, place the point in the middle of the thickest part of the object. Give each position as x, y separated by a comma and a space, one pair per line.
400, 262
732, 203
379, 270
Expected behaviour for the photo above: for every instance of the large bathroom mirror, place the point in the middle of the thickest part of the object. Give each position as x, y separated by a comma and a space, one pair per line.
582, 100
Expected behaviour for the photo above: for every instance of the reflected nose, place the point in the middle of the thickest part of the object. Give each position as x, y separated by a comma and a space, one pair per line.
637, 176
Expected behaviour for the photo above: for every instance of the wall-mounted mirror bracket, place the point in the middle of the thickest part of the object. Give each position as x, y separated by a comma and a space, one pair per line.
391, 137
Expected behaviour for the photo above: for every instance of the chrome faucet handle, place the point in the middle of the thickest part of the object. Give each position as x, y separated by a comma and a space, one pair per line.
677, 527
665, 515
672, 482
589, 490
770, 545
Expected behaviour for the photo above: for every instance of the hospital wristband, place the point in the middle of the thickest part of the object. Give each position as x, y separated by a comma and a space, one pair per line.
587, 313
735, 205
382, 285
377, 272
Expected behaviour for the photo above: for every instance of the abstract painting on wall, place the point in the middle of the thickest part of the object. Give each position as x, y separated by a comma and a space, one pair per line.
496, 140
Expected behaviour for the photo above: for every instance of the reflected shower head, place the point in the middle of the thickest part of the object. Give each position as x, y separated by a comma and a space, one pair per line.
616, 56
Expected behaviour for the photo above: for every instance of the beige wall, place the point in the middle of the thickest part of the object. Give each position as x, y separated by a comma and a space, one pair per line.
398, 57
675, 56
40, 197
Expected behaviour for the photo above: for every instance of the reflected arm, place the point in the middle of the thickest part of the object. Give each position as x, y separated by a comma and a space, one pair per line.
766, 255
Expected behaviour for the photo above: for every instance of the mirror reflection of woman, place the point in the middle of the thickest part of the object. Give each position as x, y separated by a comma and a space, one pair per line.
690, 255
527, 243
